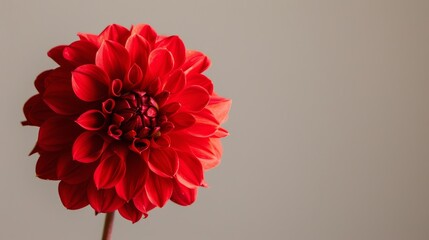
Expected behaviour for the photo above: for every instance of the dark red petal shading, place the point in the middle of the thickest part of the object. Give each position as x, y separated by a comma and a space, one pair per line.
193, 98
39, 83
88, 147
182, 195
175, 82
103, 200
220, 107
114, 32
80, 53
57, 133
133, 181
113, 58
161, 62
142, 203
73, 196
59, 95
163, 162
158, 189
190, 171
175, 45
46, 166
56, 53
200, 80
196, 62
145, 31
130, 212
90, 83
110, 170
91, 120
36, 111
138, 49
73, 172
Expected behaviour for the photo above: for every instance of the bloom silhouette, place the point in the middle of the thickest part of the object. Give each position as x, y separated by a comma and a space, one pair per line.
127, 121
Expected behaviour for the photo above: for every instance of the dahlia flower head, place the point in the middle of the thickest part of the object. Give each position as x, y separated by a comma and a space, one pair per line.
127, 121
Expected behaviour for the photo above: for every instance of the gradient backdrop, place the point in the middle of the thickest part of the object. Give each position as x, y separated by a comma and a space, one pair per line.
329, 124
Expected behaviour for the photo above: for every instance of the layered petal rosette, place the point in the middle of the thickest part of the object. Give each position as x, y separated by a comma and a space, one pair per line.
127, 121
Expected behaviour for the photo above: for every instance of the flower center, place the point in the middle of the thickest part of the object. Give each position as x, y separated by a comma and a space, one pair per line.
134, 118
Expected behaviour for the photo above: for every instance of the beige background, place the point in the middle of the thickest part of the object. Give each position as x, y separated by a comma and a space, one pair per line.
329, 125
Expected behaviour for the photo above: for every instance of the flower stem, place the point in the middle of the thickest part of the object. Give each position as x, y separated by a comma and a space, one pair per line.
108, 226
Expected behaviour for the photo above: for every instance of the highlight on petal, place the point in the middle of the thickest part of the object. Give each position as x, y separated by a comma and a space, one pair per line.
142, 203
73, 196
183, 195
88, 147
220, 107
196, 62
133, 78
163, 162
205, 125
138, 48
90, 83
193, 98
91, 120
110, 171
158, 189
103, 200
175, 45
161, 62
114, 32
190, 171
175, 82
113, 58
200, 80
145, 31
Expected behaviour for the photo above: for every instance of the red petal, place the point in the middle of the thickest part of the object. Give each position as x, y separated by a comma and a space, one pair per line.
103, 200
142, 203
220, 107
46, 166
59, 95
158, 189
110, 170
145, 31
175, 45
182, 120
116, 88
91, 120
205, 124
182, 195
163, 162
196, 62
175, 82
130, 212
160, 62
115, 33
36, 111
73, 196
193, 98
200, 80
133, 78
57, 133
133, 181
208, 152
39, 83
90, 83
88, 147
190, 171
56, 54
80, 53
73, 172
138, 49
113, 58
92, 38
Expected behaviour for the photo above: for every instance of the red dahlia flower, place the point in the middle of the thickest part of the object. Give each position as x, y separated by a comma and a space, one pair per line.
127, 121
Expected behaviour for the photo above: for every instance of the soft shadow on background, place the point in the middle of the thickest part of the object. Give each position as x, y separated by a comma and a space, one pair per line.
329, 124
